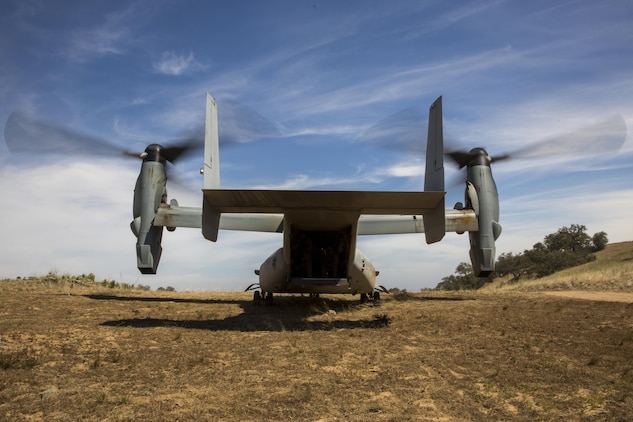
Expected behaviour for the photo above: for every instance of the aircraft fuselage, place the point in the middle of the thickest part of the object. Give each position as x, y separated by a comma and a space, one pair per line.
318, 256
275, 277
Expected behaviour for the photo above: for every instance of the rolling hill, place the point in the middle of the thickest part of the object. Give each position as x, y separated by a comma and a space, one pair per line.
611, 271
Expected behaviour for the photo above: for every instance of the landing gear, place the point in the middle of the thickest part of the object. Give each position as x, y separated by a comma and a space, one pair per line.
374, 297
265, 297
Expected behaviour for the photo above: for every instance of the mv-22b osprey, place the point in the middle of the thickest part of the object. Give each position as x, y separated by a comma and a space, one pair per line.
319, 228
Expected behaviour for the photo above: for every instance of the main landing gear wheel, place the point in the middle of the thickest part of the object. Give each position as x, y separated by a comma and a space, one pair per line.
375, 297
268, 298
257, 297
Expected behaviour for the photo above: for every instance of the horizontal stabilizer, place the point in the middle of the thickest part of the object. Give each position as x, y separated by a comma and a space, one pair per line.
358, 202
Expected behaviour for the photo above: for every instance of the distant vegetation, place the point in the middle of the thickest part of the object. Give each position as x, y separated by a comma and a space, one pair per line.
88, 280
568, 247
463, 279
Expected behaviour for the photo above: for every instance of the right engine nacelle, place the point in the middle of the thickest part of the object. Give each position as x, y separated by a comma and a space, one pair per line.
482, 197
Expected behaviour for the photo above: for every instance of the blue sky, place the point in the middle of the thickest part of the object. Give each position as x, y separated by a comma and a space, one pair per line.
318, 75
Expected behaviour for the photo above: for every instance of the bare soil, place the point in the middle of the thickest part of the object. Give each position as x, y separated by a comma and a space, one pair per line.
87, 353
592, 295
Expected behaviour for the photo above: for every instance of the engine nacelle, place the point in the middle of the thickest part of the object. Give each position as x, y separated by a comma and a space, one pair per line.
482, 197
149, 193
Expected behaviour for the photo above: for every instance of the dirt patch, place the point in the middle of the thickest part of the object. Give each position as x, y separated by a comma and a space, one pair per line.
600, 296
88, 354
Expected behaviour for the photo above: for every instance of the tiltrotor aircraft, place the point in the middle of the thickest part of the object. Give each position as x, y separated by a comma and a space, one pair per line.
319, 228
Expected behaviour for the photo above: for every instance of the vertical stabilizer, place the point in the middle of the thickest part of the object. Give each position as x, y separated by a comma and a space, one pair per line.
211, 172
434, 223
211, 146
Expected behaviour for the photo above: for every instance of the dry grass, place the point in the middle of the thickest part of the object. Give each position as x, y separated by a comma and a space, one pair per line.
73, 352
611, 271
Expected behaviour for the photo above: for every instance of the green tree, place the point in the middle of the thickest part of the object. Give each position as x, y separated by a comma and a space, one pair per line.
568, 247
508, 263
542, 263
573, 238
463, 279
600, 241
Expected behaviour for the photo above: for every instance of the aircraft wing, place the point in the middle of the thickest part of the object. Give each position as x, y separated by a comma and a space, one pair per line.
458, 221
171, 216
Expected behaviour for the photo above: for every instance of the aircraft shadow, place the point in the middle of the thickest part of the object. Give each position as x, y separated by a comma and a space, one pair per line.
158, 299
246, 323
403, 297
286, 314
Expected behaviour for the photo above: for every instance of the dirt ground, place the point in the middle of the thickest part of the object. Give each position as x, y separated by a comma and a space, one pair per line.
601, 296
100, 354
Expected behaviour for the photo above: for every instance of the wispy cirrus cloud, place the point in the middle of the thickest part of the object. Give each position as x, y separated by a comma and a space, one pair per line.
171, 63
107, 38
305, 181
367, 178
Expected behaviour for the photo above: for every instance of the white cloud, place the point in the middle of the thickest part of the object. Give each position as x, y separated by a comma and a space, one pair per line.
408, 168
303, 181
69, 216
174, 64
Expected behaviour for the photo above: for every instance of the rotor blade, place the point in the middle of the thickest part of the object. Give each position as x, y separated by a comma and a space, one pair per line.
241, 124
599, 138
27, 134
606, 136
178, 149
461, 158
404, 130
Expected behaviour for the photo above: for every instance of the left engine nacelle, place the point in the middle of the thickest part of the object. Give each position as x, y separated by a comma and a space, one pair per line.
150, 191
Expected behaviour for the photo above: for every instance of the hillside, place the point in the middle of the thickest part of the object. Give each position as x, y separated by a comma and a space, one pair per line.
611, 271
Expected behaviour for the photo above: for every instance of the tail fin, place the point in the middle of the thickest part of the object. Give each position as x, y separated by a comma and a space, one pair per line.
211, 146
211, 172
434, 223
